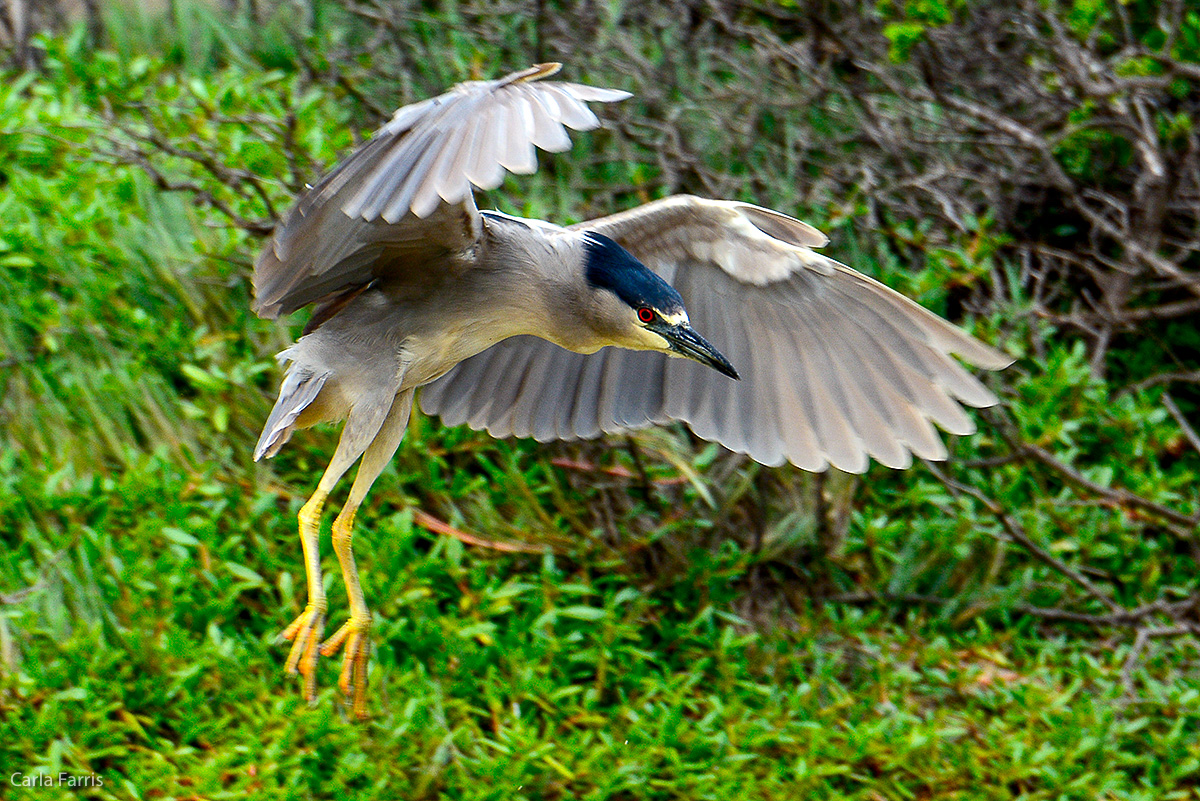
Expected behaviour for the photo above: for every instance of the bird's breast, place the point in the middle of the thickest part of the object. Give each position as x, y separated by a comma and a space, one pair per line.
430, 355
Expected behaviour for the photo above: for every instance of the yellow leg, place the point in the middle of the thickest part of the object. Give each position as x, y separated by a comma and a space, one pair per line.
355, 633
306, 631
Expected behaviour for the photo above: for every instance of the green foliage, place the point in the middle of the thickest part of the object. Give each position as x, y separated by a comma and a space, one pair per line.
148, 564
912, 21
903, 36
148, 659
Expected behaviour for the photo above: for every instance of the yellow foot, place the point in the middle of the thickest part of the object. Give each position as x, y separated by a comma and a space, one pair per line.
355, 637
306, 632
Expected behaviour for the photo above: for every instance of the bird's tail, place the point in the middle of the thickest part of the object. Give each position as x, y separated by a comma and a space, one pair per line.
300, 387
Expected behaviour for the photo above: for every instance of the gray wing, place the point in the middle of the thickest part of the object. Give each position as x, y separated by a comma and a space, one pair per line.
835, 366
404, 198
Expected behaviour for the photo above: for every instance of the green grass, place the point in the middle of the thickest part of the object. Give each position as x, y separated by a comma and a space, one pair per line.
148, 657
669, 645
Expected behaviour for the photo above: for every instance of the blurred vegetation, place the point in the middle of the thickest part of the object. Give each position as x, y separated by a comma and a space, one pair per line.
1018, 622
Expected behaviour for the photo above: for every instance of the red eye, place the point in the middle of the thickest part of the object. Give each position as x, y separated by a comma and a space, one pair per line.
645, 315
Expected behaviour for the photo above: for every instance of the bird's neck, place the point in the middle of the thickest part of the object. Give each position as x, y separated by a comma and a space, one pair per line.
532, 283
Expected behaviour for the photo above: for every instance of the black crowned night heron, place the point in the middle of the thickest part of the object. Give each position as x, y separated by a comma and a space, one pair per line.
508, 323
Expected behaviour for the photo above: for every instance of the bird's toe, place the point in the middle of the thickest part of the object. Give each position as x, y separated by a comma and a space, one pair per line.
305, 633
355, 638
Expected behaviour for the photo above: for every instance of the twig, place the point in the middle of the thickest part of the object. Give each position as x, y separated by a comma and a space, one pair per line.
1017, 532
616, 470
1122, 618
1120, 495
1188, 431
431, 523
1191, 377
138, 158
858, 598
644, 484
21, 594
1144, 636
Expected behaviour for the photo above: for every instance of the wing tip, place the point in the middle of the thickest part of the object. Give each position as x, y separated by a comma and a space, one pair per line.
996, 359
783, 227
529, 74
975, 351
266, 310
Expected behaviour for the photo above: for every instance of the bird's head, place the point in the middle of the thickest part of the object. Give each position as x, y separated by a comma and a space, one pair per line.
635, 308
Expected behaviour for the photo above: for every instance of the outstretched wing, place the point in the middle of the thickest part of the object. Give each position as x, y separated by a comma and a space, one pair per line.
835, 366
404, 199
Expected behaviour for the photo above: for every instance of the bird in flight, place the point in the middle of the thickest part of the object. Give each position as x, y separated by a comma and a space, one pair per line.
716, 313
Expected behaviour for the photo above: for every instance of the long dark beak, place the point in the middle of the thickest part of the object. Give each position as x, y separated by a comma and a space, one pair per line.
686, 342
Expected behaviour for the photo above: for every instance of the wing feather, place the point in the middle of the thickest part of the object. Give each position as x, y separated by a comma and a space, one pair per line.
612, 382
401, 203
519, 156
533, 384
485, 394
547, 132
484, 165
892, 427
571, 112
392, 203
762, 424
465, 404
917, 367
726, 397
592, 94
554, 406
500, 423
796, 427
585, 422
838, 440
870, 414
836, 367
